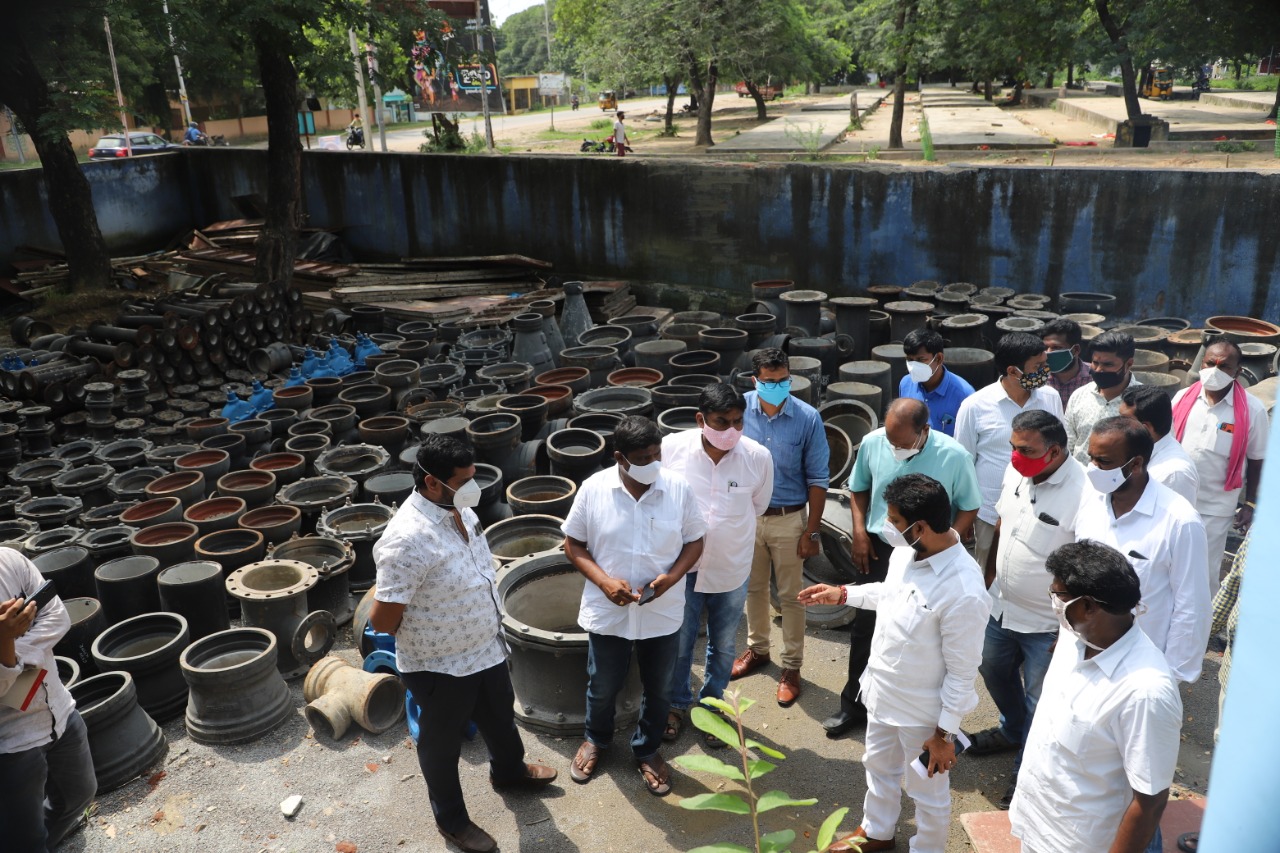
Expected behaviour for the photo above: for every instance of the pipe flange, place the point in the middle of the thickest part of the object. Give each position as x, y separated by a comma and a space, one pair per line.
271, 580
313, 637
362, 522
381, 661
330, 555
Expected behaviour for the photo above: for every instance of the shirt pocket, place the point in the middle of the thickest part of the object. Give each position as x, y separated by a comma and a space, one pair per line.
739, 501
663, 534
907, 629
1222, 441
1041, 537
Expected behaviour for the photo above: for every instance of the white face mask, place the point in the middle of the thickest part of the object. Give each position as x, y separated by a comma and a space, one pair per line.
466, 496
895, 537
1106, 481
645, 475
1214, 379
921, 372
1060, 610
903, 454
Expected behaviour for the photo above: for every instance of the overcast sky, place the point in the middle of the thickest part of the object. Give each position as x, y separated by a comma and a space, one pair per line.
500, 9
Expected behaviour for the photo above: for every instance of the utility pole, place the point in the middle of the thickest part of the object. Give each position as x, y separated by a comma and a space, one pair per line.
377, 95
355, 61
177, 63
115, 73
484, 80
546, 18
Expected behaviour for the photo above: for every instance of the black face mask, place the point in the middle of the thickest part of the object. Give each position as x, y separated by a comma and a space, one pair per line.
1107, 378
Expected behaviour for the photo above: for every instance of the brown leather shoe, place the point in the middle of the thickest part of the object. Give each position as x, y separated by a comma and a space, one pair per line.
747, 663
870, 845
471, 839
535, 776
788, 687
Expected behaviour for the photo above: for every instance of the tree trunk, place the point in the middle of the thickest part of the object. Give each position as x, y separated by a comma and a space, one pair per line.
705, 92
754, 90
1016, 99
671, 85
1071, 75
899, 107
1121, 43
987, 92
1048, 80
24, 90
278, 243
1276, 106
1239, 67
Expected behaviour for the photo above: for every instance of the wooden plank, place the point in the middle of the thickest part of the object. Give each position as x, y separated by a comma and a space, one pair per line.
413, 278
356, 294
472, 260
233, 225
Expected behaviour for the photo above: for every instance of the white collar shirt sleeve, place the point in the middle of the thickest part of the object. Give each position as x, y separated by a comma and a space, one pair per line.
1172, 466
731, 495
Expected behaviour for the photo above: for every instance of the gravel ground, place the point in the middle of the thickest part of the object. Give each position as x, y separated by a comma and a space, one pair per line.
365, 792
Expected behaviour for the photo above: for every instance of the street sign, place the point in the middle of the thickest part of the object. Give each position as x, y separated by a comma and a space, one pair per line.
306, 124
551, 84
473, 77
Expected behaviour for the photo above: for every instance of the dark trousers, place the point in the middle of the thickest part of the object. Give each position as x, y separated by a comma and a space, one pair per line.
447, 703
861, 629
608, 662
46, 790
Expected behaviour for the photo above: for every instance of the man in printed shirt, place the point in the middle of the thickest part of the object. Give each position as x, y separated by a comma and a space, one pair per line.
732, 479
1111, 363
633, 532
1102, 749
436, 594
919, 683
1064, 338
44, 750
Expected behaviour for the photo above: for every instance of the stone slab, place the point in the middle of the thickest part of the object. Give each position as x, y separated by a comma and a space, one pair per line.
1188, 121
962, 121
989, 832
868, 100
1240, 100
787, 134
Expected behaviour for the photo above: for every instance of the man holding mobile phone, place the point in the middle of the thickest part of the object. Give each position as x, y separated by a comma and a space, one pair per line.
44, 750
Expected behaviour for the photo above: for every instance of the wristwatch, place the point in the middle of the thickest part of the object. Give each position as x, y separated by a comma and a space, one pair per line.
949, 737
815, 536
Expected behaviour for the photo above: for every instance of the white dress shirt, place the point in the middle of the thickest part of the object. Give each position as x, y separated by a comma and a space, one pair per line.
1209, 446
452, 623
1018, 592
984, 425
634, 540
930, 624
731, 495
1171, 465
1104, 728
1086, 407
1163, 538
46, 716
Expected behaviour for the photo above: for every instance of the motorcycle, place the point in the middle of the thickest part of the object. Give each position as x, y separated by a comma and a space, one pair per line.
1200, 86
355, 138
601, 146
210, 141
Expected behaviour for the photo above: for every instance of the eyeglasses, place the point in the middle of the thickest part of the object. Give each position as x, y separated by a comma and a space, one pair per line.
1060, 594
771, 386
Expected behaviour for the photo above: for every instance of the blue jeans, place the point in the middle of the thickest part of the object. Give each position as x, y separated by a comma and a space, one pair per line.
1013, 668
724, 612
608, 662
1157, 842
46, 790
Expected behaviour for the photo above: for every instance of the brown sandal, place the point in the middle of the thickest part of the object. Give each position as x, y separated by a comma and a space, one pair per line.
675, 725
584, 763
657, 775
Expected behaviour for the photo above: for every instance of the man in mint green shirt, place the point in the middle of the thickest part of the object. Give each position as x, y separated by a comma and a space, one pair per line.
905, 445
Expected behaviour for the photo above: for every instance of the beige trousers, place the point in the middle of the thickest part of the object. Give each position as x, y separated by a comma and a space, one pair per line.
775, 556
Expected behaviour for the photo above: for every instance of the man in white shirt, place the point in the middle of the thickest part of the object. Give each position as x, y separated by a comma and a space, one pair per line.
1102, 750
1224, 430
1158, 532
437, 594
1170, 464
919, 683
44, 750
1111, 365
633, 532
1037, 508
986, 419
732, 480
620, 134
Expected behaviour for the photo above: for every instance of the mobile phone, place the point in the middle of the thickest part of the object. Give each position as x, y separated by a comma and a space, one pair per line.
921, 764
43, 595
646, 595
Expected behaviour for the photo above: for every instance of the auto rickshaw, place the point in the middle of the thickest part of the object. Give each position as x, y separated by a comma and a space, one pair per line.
608, 100
1157, 82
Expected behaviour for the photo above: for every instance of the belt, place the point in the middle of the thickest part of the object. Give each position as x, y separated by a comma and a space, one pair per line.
784, 510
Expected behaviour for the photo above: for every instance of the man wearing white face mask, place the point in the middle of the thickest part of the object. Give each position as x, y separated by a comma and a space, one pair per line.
1224, 431
1158, 532
732, 479
633, 532
436, 593
929, 380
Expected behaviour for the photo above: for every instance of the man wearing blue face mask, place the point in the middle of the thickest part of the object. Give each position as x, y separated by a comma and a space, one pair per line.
787, 533
436, 594
1158, 532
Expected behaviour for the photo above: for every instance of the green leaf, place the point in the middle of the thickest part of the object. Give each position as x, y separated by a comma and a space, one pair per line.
827, 832
758, 767
744, 704
778, 799
715, 725
777, 842
731, 803
707, 764
767, 750
721, 847
719, 704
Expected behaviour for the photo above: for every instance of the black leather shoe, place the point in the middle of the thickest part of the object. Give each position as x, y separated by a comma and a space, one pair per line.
843, 723
471, 839
1007, 800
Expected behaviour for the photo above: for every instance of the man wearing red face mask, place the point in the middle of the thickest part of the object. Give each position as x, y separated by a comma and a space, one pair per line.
1039, 497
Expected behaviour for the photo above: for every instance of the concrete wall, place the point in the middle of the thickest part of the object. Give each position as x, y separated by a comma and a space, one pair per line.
1192, 243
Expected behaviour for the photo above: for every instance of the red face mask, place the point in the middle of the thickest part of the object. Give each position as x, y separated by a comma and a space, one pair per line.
1028, 467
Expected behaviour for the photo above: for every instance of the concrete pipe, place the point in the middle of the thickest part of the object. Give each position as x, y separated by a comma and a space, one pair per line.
542, 495
123, 740
68, 671
361, 525
333, 558
87, 622
677, 419
237, 693
314, 495
539, 597
195, 590
70, 569
524, 536
804, 310
148, 647
339, 694
127, 587
273, 595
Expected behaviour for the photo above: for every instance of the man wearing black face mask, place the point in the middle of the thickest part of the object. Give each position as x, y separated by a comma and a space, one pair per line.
1104, 743
1111, 357
1158, 532
436, 594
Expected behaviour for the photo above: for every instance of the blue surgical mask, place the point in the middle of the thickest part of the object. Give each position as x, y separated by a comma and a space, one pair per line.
774, 393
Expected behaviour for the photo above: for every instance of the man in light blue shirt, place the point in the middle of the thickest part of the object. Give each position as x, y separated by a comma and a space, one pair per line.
905, 445
929, 381
787, 533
